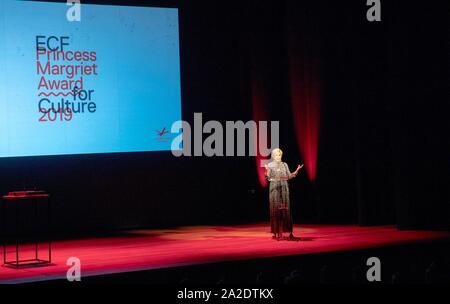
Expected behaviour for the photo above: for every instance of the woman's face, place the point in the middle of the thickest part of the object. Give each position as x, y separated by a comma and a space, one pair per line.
277, 155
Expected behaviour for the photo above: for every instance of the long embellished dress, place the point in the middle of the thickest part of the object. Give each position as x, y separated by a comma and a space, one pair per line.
280, 206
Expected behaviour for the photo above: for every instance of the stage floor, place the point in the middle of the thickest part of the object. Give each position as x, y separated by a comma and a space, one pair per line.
140, 250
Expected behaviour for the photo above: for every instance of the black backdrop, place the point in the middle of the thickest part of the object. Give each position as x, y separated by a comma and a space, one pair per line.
383, 153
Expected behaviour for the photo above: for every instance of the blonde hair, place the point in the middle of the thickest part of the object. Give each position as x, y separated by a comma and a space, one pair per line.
276, 150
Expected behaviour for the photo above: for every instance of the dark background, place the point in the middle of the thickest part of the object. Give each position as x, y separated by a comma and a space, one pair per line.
383, 153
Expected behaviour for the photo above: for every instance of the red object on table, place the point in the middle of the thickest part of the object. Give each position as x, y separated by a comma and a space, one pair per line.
25, 194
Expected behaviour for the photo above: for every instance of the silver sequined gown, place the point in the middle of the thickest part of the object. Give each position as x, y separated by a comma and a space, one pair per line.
280, 207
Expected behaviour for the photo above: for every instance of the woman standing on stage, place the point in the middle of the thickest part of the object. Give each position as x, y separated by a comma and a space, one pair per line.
278, 174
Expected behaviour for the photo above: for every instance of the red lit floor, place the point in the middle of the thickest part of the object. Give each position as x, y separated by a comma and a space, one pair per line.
151, 249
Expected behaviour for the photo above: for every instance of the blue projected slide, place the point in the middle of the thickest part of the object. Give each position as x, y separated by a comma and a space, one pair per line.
108, 83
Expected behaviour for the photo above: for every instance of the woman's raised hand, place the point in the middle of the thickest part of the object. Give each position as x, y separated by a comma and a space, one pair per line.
298, 169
